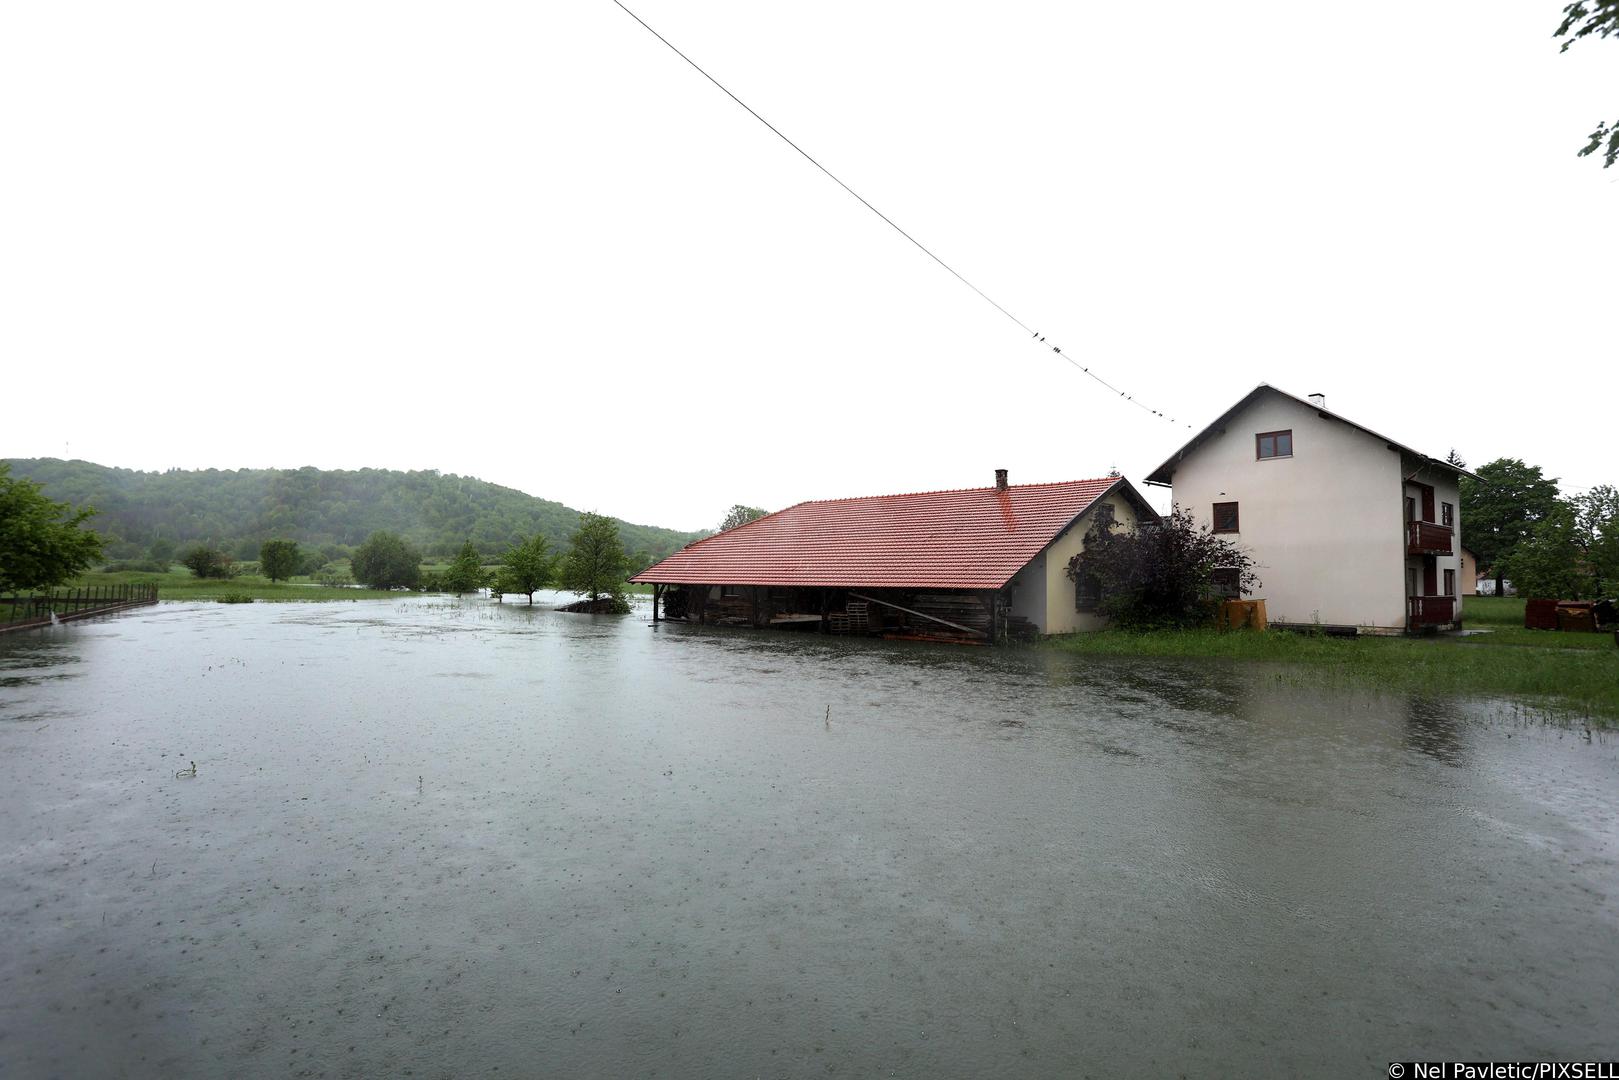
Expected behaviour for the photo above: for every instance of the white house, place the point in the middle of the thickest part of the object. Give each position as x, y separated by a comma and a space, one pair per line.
1349, 529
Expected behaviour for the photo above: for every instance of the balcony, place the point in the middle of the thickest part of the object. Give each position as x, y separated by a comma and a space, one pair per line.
1423, 611
1427, 538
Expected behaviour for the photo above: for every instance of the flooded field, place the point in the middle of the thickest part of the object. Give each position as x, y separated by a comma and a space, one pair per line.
429, 838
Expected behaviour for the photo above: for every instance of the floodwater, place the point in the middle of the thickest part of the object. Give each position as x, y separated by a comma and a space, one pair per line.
451, 839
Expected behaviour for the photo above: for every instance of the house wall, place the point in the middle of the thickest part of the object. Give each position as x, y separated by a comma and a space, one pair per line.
1325, 526
1042, 592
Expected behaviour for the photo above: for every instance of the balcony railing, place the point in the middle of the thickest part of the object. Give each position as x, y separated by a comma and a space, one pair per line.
1427, 538
1430, 610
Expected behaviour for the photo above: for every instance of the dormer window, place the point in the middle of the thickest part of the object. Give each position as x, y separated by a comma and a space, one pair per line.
1274, 444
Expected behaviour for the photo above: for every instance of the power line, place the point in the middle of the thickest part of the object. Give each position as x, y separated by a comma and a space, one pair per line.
1034, 334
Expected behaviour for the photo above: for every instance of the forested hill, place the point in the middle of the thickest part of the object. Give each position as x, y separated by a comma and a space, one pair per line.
237, 509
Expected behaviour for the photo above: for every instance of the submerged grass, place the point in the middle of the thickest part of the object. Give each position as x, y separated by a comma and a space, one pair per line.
1570, 673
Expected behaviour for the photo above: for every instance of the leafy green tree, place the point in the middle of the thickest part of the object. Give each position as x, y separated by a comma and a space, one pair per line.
526, 567
593, 566
279, 559
741, 515
161, 552
466, 572
1547, 561
1499, 509
42, 543
1162, 575
385, 561
1596, 532
1582, 19
207, 562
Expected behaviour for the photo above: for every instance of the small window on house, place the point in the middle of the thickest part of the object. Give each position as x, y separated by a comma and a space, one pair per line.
1225, 517
1087, 592
1228, 582
1447, 514
1274, 444
1450, 583
730, 590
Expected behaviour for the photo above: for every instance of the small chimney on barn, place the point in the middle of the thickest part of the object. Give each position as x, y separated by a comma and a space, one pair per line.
1319, 401
1000, 479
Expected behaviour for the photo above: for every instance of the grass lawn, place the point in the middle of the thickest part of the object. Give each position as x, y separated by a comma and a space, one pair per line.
1574, 674
180, 584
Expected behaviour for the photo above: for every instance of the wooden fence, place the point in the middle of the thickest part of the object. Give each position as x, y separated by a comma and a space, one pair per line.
65, 605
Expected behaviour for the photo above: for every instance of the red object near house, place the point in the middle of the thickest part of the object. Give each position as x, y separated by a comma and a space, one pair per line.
1540, 614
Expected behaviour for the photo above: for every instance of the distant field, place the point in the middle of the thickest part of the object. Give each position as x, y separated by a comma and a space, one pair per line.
1492, 610
181, 584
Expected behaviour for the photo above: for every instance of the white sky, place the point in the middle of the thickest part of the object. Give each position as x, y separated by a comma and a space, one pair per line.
526, 242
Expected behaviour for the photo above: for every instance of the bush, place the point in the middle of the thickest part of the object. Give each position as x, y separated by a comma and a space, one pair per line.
235, 598
207, 562
137, 566
1162, 575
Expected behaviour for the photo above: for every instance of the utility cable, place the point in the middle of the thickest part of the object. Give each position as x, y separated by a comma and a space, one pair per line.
1034, 334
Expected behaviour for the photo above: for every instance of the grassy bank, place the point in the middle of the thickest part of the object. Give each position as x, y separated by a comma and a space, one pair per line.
1572, 673
181, 584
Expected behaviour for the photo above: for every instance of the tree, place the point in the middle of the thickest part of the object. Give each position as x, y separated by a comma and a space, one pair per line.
1162, 575
741, 515
42, 543
1547, 561
594, 564
526, 567
385, 561
161, 552
1582, 19
1596, 533
466, 572
279, 559
1499, 509
207, 562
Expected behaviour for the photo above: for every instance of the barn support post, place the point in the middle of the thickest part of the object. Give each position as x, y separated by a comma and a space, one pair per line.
826, 610
657, 594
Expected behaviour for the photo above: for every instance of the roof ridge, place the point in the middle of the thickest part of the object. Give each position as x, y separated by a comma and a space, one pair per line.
959, 491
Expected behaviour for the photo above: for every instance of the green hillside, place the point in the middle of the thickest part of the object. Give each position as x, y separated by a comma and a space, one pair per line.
236, 509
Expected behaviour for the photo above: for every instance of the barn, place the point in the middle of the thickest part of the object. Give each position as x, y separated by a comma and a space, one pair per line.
974, 565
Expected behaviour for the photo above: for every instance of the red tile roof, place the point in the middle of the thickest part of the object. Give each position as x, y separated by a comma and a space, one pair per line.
974, 539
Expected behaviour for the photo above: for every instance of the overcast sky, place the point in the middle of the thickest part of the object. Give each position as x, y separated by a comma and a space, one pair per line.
526, 242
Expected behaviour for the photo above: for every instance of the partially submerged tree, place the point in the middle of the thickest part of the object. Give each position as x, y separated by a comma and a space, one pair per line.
386, 561
1499, 509
466, 571
593, 566
741, 515
42, 543
279, 559
1166, 575
526, 567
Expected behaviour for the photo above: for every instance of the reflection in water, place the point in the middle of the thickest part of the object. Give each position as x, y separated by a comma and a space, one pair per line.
458, 838
1435, 726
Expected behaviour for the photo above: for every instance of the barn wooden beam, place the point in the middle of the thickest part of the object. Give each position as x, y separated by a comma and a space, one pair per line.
923, 615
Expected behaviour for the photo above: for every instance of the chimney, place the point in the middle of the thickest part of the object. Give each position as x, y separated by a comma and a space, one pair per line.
1000, 479
1319, 401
